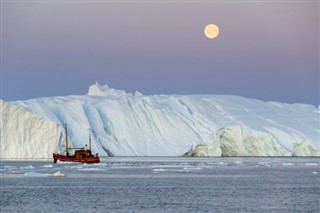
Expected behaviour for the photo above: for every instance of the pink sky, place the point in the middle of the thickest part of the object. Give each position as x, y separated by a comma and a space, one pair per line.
268, 51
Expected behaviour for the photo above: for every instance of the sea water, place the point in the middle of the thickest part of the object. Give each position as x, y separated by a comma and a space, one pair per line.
162, 185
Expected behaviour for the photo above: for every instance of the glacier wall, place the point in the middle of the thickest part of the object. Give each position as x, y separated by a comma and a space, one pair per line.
25, 135
125, 124
239, 141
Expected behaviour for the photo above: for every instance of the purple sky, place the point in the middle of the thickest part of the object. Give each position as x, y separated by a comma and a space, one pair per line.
267, 51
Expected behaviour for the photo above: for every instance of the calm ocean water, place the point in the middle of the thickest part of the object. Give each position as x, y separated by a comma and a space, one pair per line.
163, 185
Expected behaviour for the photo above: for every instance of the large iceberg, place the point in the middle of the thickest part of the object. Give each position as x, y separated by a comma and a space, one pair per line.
25, 135
124, 124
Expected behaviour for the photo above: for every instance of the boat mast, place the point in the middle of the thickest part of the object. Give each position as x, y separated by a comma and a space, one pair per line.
66, 129
89, 139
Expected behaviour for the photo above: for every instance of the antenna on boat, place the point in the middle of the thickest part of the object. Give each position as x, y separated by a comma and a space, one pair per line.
89, 139
66, 129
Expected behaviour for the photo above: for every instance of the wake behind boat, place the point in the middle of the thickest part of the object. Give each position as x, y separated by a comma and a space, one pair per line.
82, 155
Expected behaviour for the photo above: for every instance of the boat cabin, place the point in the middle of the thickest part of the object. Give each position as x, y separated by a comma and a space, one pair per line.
82, 154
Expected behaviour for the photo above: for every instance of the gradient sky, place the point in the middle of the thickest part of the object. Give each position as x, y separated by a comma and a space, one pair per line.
265, 50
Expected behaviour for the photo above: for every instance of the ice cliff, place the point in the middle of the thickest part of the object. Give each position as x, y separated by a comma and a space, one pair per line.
164, 125
236, 141
25, 135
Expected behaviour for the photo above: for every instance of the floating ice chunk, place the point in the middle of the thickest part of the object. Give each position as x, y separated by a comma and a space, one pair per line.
314, 173
311, 164
159, 170
48, 166
192, 168
90, 169
223, 163
287, 164
36, 174
27, 167
58, 174
264, 163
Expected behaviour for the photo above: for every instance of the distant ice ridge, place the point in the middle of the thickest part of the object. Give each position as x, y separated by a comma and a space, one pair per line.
104, 90
169, 125
99, 90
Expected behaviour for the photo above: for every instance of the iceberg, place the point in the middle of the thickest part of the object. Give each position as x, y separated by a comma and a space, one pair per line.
123, 124
25, 135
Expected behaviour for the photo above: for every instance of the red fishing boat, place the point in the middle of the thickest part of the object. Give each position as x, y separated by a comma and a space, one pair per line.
82, 155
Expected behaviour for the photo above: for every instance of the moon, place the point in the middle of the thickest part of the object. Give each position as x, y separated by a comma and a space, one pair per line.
211, 31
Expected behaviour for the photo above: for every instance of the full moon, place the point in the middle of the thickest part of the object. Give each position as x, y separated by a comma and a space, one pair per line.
211, 31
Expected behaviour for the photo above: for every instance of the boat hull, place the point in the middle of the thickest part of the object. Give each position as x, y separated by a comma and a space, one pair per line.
90, 159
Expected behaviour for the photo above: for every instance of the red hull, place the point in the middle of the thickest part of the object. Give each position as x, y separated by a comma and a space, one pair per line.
90, 159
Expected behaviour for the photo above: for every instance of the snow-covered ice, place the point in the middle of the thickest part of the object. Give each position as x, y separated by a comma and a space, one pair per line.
124, 124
